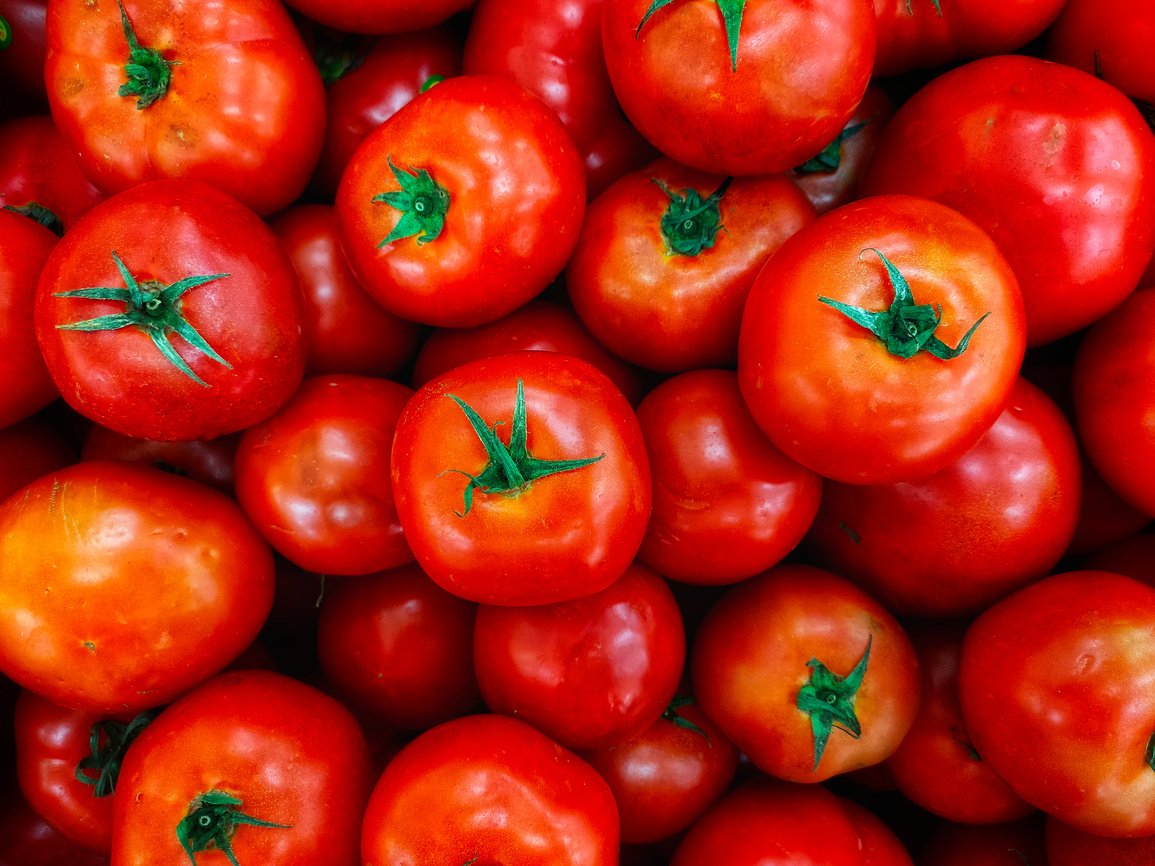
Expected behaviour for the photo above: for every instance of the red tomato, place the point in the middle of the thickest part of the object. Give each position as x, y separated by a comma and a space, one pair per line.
554, 50
464, 204
492, 789
181, 581
727, 503
311, 477
880, 847
864, 409
252, 743
1133, 556
29, 449
1055, 165
227, 95
498, 536
1067, 846
1018, 843
23, 37
380, 16
807, 674
736, 101
588, 673
199, 329
400, 647
1109, 39
1053, 682
208, 462
667, 256
29, 841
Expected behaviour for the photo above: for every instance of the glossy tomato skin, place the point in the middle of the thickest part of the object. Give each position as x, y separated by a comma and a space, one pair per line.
1067, 846
567, 534
29, 449
253, 317
669, 312
727, 503
399, 647
348, 331
801, 69
244, 110
290, 753
955, 542
589, 673
1055, 165
1119, 35
311, 477
750, 659
555, 51
828, 393
206, 461
492, 788
516, 191
181, 582
1053, 686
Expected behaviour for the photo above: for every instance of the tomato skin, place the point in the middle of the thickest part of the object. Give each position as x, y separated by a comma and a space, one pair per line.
400, 647
1052, 682
380, 16
727, 503
880, 846
1011, 844
517, 196
22, 60
828, 393
494, 788
310, 476
568, 534
784, 102
673, 313
29, 449
588, 673
30, 841
749, 661
1028, 150
292, 754
1067, 846
208, 462
254, 318
348, 331
955, 542
244, 111
1118, 34
1133, 556
132, 543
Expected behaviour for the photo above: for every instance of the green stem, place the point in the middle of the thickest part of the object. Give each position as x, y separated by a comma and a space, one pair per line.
107, 757
212, 821
148, 73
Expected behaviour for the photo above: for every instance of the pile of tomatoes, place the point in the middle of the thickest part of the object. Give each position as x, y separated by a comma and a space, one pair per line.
577, 433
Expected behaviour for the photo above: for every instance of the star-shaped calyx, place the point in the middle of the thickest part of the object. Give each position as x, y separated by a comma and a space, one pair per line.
690, 223
423, 203
212, 822
829, 701
147, 73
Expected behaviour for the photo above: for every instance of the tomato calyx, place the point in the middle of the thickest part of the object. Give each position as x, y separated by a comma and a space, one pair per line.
691, 223
511, 469
431, 81
148, 73
831, 156
41, 214
905, 327
423, 203
151, 307
1149, 757
106, 759
670, 714
829, 701
731, 17
965, 742
212, 822
937, 8
338, 54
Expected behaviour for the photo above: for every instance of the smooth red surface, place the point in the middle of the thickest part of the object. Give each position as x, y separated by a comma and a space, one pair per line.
29, 841
37, 165
880, 847
1119, 32
22, 61
380, 16
1067, 846
29, 449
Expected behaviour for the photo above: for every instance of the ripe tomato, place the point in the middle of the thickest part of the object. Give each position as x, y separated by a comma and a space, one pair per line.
1067, 846
29, 449
380, 16
864, 409
1109, 39
540, 496
207, 461
124, 587
880, 847
226, 95
22, 34
30, 841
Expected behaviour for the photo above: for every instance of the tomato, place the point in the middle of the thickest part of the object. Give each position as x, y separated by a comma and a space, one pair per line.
229, 96
251, 743
464, 204
936, 766
739, 100
1108, 39
492, 789
310, 477
555, 51
124, 587
1017, 843
29, 449
1053, 682
727, 503
400, 647
39, 175
1067, 846
953, 543
667, 256
24, 249
205, 461
807, 674
380, 16
880, 847
23, 37
588, 673
29, 841
1057, 167
1133, 556
177, 259
570, 520
864, 409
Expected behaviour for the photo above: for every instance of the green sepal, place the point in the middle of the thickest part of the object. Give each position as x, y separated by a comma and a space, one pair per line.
1149, 757
337, 54
5, 33
690, 223
829, 700
937, 7
212, 822
148, 73
423, 204
966, 744
831, 156
35, 211
731, 16
905, 327
851, 534
670, 714
431, 81
107, 758
509, 470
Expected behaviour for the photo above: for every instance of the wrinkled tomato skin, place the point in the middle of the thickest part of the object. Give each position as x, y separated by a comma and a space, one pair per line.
1119, 34
208, 462
30, 449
